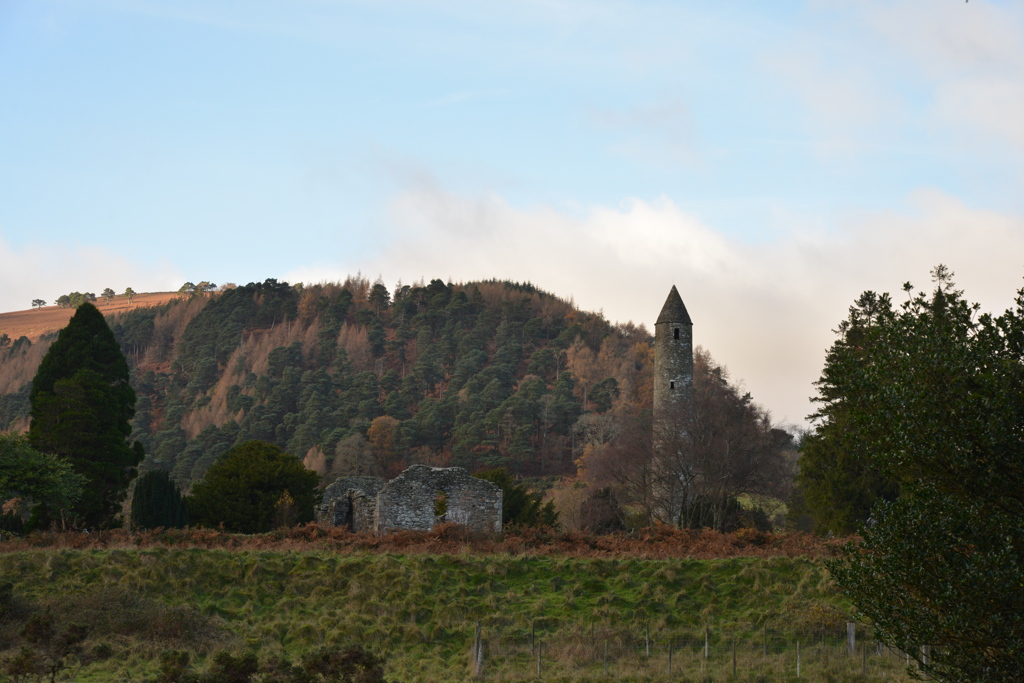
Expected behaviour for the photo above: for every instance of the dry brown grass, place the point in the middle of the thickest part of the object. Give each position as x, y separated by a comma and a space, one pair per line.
20, 368
653, 543
34, 323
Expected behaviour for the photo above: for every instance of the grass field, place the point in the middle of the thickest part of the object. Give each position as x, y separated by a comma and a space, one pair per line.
419, 610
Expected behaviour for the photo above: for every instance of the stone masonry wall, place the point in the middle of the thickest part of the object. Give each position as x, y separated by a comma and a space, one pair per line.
673, 369
350, 502
408, 501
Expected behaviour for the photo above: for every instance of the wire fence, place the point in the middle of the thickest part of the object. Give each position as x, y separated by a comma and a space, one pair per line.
765, 654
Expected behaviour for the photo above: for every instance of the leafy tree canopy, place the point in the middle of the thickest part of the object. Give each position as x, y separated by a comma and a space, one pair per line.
938, 402
37, 478
75, 299
246, 488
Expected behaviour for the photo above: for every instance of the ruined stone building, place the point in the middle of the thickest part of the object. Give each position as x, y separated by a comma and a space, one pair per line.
417, 499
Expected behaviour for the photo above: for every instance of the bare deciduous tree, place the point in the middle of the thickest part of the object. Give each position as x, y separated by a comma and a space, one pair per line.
689, 471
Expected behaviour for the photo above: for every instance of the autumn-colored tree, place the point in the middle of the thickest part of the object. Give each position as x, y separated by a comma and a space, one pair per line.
353, 458
688, 471
384, 437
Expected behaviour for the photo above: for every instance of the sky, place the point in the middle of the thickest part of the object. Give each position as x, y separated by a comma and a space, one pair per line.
772, 160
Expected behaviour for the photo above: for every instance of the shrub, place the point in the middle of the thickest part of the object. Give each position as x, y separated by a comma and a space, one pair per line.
244, 490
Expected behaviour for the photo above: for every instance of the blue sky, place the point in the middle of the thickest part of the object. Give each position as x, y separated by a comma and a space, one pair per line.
771, 159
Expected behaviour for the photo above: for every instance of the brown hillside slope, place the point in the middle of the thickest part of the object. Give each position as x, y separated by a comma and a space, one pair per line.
34, 323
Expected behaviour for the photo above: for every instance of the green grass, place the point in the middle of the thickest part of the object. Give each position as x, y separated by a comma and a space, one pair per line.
419, 611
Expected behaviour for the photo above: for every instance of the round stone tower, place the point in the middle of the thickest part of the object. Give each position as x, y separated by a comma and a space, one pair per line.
673, 360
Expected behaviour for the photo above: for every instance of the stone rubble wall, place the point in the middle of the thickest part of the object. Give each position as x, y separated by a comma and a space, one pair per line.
408, 501
673, 371
350, 502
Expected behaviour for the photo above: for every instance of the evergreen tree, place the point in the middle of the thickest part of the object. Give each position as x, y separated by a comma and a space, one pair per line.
82, 406
939, 408
157, 502
839, 481
246, 488
519, 507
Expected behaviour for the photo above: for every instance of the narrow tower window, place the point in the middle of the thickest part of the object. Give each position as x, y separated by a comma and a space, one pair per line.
676, 332
671, 385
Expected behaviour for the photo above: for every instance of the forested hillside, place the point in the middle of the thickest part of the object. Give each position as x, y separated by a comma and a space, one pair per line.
358, 379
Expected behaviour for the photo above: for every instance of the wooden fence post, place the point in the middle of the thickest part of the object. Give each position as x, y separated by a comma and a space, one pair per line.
851, 637
606, 658
798, 659
670, 656
540, 646
734, 655
478, 651
647, 637
707, 651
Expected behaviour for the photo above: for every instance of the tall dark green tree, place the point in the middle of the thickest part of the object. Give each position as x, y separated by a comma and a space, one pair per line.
839, 482
939, 406
249, 487
82, 407
157, 502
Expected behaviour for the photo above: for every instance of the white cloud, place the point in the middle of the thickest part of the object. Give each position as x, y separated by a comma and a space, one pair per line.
954, 68
973, 54
766, 311
45, 271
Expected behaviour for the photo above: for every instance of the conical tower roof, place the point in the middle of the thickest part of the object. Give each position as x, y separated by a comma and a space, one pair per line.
674, 311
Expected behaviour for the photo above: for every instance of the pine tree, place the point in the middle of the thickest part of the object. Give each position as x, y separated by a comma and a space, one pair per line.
82, 406
839, 481
157, 502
